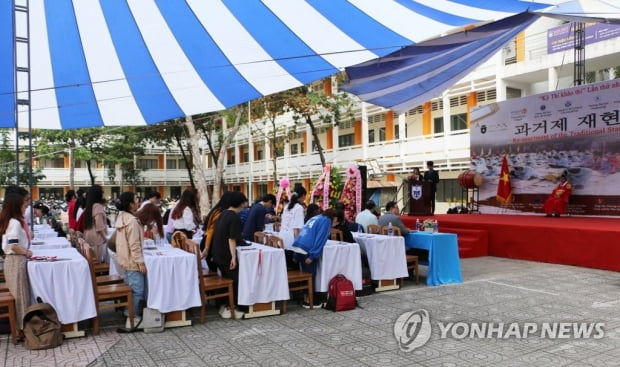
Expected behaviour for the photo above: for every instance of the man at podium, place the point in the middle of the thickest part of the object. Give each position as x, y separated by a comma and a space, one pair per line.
432, 177
420, 194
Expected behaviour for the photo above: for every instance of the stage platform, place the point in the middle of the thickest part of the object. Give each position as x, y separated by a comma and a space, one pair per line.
592, 242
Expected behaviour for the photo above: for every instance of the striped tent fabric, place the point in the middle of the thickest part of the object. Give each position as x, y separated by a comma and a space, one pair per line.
135, 62
416, 74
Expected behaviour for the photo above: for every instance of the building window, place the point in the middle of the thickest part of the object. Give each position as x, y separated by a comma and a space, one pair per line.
175, 192
438, 125
382, 134
346, 140
396, 134
301, 147
262, 190
371, 135
246, 157
147, 163
458, 122
171, 164
260, 154
182, 164
294, 149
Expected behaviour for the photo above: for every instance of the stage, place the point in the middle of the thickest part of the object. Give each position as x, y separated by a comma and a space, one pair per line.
592, 242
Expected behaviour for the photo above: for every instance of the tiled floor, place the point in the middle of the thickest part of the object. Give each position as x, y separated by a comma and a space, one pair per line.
495, 290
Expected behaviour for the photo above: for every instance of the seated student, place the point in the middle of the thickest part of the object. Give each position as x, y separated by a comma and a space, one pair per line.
311, 240
311, 211
556, 202
391, 216
367, 216
346, 227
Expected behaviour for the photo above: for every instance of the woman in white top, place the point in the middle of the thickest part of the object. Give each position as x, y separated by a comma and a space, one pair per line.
16, 246
185, 215
293, 217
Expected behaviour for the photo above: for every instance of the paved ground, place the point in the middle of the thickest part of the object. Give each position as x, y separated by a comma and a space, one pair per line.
495, 290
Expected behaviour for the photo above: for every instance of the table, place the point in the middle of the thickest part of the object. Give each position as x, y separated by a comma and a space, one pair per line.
50, 243
386, 258
339, 258
263, 279
444, 266
65, 284
172, 279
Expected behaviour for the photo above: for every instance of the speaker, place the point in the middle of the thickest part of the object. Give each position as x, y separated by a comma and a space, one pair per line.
364, 174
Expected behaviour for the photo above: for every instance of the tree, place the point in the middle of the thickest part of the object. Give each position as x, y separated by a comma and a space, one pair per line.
312, 107
121, 148
219, 140
172, 133
264, 112
81, 145
7, 164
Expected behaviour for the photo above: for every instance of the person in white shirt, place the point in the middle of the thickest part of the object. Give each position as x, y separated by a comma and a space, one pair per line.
16, 245
151, 197
185, 215
293, 217
367, 216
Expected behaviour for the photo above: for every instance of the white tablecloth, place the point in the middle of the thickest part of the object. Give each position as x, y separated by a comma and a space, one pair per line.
386, 255
339, 258
172, 279
65, 284
45, 233
50, 243
262, 274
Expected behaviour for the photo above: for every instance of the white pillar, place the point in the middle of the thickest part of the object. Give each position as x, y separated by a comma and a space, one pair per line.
364, 131
552, 77
267, 157
402, 123
336, 144
251, 160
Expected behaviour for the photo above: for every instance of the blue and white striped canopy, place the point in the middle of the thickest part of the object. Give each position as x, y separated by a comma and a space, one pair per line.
135, 62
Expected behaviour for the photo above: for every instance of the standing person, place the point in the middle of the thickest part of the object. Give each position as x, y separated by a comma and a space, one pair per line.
186, 214
391, 215
312, 238
78, 210
152, 197
210, 222
95, 222
292, 223
433, 177
150, 216
129, 249
293, 217
71, 198
16, 246
226, 237
256, 218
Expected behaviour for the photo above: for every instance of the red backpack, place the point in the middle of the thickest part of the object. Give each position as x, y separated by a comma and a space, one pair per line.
340, 294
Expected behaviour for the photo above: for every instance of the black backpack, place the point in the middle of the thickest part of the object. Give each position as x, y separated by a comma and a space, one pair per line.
42, 329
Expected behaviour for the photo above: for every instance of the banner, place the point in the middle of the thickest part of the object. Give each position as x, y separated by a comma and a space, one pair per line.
574, 131
562, 38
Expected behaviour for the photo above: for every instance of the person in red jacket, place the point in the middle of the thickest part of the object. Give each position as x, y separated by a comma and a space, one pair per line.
557, 201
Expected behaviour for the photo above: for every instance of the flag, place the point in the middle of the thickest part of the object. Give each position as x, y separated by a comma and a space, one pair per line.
504, 190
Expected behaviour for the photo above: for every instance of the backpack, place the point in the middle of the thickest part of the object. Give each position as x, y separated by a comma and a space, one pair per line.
42, 329
340, 294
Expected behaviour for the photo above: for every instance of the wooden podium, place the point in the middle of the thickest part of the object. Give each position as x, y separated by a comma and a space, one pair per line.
419, 197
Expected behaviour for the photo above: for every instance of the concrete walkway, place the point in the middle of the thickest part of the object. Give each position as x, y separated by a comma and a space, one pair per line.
495, 291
